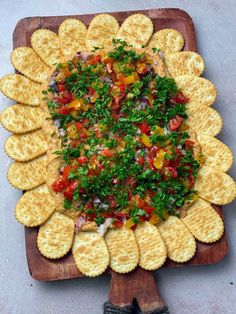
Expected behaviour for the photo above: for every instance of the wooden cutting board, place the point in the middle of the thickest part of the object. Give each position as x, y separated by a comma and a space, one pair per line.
139, 284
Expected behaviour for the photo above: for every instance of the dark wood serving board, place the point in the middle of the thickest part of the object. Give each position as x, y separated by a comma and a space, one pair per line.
139, 284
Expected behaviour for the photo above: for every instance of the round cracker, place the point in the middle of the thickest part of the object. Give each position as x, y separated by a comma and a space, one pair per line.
168, 40
90, 253
35, 207
180, 243
55, 236
46, 44
152, 248
203, 222
28, 175
21, 119
184, 62
72, 34
102, 29
25, 147
214, 186
123, 249
19, 88
205, 120
136, 30
216, 154
197, 89
27, 62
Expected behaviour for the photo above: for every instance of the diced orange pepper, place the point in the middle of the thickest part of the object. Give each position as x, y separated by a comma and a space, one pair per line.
131, 78
154, 219
140, 67
75, 104
146, 140
129, 223
159, 159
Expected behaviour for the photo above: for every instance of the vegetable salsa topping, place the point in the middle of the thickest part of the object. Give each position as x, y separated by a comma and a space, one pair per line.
127, 154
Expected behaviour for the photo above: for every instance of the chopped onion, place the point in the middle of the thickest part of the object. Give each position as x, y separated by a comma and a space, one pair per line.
103, 206
61, 132
79, 223
84, 55
166, 130
142, 104
103, 227
56, 122
96, 200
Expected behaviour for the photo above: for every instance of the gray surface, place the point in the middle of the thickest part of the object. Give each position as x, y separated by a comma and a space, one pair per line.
202, 289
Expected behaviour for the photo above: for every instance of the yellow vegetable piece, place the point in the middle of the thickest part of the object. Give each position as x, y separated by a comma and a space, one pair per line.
154, 219
146, 140
129, 223
72, 132
158, 161
75, 104
131, 78
158, 130
165, 215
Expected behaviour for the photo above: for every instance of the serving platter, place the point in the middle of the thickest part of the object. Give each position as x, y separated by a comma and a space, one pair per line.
138, 284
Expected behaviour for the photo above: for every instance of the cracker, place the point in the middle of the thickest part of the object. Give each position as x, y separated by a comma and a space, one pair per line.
123, 249
214, 186
27, 175
55, 236
72, 34
136, 30
102, 29
35, 207
216, 154
203, 222
168, 40
27, 62
184, 62
180, 243
205, 120
21, 119
152, 248
46, 44
90, 253
19, 88
25, 147
197, 89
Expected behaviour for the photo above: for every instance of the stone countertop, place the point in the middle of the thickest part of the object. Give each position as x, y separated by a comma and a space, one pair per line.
197, 289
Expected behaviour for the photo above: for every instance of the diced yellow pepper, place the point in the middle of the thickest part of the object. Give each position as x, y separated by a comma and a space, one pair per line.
129, 223
165, 215
183, 127
200, 159
146, 140
154, 219
131, 78
159, 159
75, 104
72, 132
158, 130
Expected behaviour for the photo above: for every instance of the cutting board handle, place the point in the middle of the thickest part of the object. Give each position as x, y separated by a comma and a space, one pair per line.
139, 285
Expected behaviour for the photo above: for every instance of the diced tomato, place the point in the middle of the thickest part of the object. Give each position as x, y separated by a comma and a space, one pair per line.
191, 181
112, 201
68, 193
175, 123
66, 172
67, 95
144, 128
61, 100
107, 152
172, 171
118, 224
82, 160
63, 110
88, 205
140, 160
119, 214
122, 87
83, 133
189, 143
59, 185
179, 99
61, 87
96, 59
148, 209
91, 91
75, 143
78, 126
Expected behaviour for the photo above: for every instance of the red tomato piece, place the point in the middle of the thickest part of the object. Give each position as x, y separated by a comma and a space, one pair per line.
78, 126
107, 152
68, 193
61, 87
172, 171
191, 181
82, 160
91, 91
64, 110
189, 143
118, 224
66, 172
140, 160
61, 100
59, 185
144, 128
179, 98
175, 123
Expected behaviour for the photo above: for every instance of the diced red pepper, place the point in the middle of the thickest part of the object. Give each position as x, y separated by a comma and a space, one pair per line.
144, 128
61, 100
189, 143
66, 172
82, 160
140, 160
118, 224
107, 152
91, 91
179, 99
64, 110
59, 185
175, 123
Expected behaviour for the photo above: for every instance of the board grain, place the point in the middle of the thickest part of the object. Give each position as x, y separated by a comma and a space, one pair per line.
47, 270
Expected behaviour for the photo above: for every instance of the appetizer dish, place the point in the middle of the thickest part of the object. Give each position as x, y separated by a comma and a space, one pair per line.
114, 144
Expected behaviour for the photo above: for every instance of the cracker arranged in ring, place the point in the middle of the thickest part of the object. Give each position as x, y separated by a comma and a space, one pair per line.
19, 88
123, 249
203, 222
152, 248
197, 89
184, 62
216, 154
102, 29
72, 34
46, 44
180, 243
55, 236
35, 207
136, 30
90, 253
27, 62
205, 120
28, 175
214, 186
25, 147
168, 40
21, 119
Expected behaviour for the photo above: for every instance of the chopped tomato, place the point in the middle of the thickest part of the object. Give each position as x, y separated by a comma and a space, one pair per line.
189, 143
66, 172
82, 160
179, 98
61, 100
122, 87
175, 123
78, 126
112, 201
140, 160
63, 110
107, 152
191, 181
91, 91
118, 224
144, 128
171, 171
96, 59
83, 133
68, 193
59, 185
61, 87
